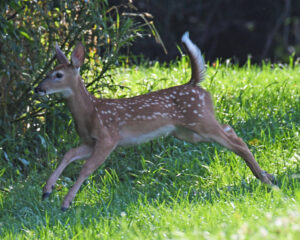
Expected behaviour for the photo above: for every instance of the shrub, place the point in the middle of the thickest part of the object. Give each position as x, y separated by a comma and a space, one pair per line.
28, 31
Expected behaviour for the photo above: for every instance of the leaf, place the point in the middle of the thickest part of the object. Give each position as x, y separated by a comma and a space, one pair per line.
25, 34
43, 142
254, 142
23, 161
2, 171
6, 156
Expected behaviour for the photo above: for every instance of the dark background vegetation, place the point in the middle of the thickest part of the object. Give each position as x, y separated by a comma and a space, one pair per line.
263, 29
111, 31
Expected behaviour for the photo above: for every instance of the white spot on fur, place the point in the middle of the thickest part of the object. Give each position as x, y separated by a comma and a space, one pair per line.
201, 97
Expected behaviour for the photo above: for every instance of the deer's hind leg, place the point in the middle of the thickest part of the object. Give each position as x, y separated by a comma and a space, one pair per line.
226, 136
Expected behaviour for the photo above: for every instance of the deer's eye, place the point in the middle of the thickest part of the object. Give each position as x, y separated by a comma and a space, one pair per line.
59, 75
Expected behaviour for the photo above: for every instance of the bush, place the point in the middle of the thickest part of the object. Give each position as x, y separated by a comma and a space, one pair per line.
28, 31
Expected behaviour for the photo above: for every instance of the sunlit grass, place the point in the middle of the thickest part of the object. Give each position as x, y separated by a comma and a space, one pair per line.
169, 189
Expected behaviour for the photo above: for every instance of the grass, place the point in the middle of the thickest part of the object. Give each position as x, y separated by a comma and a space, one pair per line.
169, 189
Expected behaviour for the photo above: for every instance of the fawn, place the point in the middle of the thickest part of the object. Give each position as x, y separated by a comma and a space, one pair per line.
185, 112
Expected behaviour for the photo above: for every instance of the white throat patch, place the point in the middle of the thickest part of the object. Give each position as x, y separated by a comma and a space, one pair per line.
66, 92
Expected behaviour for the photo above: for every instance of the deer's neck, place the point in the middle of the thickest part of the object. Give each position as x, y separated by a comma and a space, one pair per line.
81, 106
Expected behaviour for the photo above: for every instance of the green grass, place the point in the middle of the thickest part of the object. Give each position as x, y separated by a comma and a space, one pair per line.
169, 189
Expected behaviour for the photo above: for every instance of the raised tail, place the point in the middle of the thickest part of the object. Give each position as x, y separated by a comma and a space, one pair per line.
197, 62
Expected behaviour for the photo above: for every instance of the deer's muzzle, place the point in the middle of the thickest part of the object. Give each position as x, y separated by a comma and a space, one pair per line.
39, 90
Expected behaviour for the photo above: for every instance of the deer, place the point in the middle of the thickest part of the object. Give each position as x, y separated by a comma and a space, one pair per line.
185, 112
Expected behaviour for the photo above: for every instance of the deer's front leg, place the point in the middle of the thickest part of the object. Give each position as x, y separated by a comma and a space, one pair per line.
100, 153
83, 151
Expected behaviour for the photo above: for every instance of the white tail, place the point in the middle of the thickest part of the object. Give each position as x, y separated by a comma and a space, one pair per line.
184, 111
197, 62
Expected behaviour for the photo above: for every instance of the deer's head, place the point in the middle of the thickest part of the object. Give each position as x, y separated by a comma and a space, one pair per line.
64, 77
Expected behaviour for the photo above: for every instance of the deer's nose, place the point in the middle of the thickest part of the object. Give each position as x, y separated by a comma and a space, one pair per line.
38, 90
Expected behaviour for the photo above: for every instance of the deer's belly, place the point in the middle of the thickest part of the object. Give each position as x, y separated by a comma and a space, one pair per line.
131, 138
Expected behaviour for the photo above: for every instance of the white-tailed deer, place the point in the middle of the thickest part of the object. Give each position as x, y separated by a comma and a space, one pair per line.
184, 111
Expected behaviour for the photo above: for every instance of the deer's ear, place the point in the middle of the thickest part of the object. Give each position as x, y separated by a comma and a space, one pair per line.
61, 56
78, 55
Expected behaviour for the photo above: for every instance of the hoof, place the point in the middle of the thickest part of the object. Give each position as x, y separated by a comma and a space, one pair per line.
63, 209
269, 176
272, 178
45, 195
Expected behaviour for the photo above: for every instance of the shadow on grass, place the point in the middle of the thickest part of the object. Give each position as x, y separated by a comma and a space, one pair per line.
22, 208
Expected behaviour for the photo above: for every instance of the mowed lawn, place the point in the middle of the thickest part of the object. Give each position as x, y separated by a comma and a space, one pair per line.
170, 189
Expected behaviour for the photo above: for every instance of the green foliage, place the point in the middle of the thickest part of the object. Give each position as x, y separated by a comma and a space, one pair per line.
170, 189
28, 32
